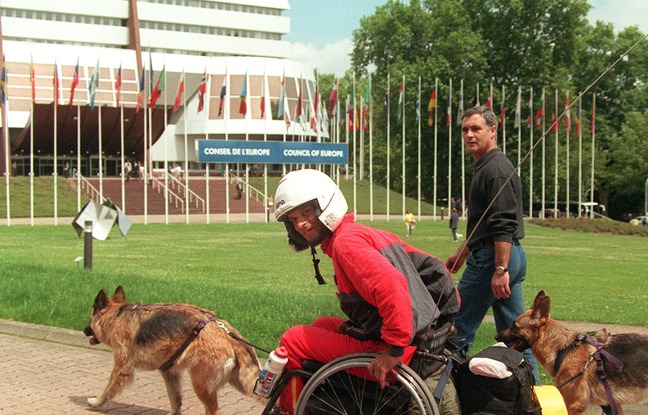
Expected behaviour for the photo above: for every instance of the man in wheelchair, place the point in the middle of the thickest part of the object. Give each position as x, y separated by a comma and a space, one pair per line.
390, 291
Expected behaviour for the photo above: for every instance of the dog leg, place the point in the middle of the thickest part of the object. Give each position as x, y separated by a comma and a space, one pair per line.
120, 376
174, 390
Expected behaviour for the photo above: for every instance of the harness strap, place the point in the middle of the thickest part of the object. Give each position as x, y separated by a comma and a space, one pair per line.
192, 336
598, 355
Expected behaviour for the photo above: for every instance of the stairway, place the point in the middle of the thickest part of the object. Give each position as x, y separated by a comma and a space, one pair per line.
134, 197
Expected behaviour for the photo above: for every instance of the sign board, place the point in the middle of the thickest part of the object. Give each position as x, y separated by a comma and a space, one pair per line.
270, 152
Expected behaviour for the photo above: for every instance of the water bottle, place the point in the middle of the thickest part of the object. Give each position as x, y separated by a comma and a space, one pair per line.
271, 371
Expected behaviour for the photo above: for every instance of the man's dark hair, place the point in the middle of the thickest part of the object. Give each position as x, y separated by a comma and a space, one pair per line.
489, 116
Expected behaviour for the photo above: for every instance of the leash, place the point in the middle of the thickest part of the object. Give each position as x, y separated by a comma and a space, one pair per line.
598, 355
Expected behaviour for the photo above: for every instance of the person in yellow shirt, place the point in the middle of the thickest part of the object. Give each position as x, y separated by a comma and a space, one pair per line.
410, 222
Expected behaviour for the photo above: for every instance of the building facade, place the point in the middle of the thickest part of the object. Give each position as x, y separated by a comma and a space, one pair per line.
79, 77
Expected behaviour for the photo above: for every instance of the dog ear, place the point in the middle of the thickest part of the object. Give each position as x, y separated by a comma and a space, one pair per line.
101, 300
541, 310
538, 299
119, 296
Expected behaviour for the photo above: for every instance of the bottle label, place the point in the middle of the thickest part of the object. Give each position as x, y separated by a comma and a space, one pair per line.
265, 383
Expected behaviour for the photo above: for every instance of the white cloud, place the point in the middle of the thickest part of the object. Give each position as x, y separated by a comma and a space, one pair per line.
332, 58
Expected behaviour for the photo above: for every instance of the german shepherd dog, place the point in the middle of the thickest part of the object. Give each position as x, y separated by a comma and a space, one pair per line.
146, 336
567, 357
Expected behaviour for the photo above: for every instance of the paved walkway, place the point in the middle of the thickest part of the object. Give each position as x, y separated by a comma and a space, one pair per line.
54, 371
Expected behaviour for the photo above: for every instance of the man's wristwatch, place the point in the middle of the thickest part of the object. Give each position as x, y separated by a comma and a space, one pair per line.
501, 270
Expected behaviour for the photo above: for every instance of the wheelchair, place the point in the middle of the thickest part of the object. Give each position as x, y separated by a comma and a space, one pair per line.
343, 386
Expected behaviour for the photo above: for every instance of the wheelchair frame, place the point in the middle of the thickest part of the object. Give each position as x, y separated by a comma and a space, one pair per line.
406, 394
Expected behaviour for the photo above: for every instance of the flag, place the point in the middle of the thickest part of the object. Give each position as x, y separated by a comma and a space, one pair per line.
281, 108
578, 118
93, 85
448, 112
286, 109
503, 112
431, 107
298, 111
518, 110
243, 96
350, 113
32, 79
554, 123
118, 85
489, 101
202, 90
313, 117
399, 109
418, 103
365, 108
333, 98
75, 82
222, 95
263, 95
567, 115
157, 89
3, 83
539, 117
178, 98
140, 95
530, 117
55, 83
460, 108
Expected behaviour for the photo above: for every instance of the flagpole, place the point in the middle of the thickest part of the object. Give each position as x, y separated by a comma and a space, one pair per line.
264, 83
121, 126
556, 126
503, 120
388, 182
355, 164
436, 86
31, 162
145, 138
166, 150
593, 127
247, 137
78, 158
226, 114
543, 187
371, 182
580, 155
100, 157
531, 151
449, 122
56, 85
186, 144
5, 130
463, 156
518, 120
418, 173
568, 129
403, 148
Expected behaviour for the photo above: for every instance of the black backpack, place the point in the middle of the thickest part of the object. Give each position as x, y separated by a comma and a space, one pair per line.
481, 395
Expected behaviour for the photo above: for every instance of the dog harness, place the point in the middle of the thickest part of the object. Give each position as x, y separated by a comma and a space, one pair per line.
194, 333
598, 355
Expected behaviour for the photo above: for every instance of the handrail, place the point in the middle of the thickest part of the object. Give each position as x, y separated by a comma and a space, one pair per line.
181, 186
176, 198
259, 196
89, 188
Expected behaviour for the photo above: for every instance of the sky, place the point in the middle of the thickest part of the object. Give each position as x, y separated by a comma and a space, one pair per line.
321, 31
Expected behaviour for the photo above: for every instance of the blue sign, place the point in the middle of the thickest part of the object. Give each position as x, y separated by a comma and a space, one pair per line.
270, 152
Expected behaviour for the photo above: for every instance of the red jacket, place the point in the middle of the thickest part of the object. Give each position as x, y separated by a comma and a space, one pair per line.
387, 287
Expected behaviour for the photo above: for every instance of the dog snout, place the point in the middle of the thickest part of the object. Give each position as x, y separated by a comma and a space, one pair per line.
88, 331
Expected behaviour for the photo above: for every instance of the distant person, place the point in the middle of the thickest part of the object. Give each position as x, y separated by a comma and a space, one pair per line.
177, 172
128, 167
410, 222
66, 170
454, 223
136, 170
239, 190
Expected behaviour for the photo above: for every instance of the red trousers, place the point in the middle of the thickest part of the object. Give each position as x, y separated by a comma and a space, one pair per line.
321, 342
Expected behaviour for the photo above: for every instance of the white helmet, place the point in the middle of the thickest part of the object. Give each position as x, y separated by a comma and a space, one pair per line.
302, 186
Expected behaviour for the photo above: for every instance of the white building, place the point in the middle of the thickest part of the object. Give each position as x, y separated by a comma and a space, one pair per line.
227, 40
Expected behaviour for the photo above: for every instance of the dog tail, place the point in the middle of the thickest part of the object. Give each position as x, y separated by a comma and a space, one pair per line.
248, 367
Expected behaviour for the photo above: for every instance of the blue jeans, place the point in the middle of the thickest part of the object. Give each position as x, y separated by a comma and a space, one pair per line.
477, 296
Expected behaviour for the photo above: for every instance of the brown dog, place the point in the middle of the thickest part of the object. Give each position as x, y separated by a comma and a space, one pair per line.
146, 337
564, 354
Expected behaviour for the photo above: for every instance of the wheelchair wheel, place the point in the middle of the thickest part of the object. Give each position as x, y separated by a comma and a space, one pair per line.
343, 386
